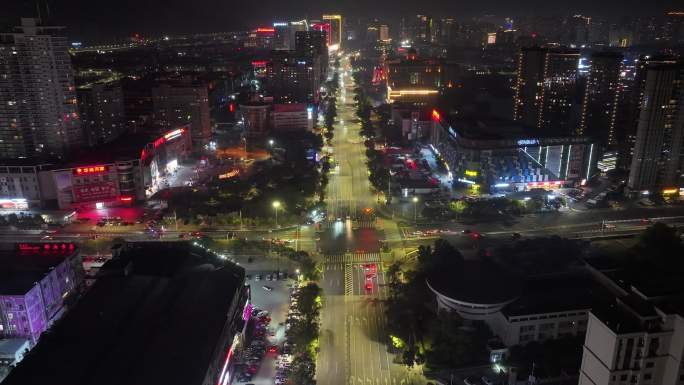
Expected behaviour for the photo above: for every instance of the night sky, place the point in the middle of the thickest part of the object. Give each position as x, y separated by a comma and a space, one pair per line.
93, 20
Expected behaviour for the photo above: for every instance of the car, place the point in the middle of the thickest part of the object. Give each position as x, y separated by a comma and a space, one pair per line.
267, 288
273, 349
369, 286
466, 231
269, 278
516, 236
370, 267
257, 277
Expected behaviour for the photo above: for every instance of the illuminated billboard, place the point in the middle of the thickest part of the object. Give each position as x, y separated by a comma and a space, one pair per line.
13, 204
88, 170
95, 192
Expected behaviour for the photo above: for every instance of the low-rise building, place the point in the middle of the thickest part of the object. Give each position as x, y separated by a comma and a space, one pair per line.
159, 313
35, 281
292, 117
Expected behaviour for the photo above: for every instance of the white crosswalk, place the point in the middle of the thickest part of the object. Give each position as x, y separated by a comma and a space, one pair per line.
353, 258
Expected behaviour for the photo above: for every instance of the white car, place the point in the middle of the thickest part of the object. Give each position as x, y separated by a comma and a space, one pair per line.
267, 288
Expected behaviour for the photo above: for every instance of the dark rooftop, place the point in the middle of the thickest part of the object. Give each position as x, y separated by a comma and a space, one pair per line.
477, 282
127, 147
19, 271
558, 293
157, 325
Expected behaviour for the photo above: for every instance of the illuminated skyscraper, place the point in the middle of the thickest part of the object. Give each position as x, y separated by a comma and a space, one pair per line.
38, 110
384, 32
657, 155
601, 97
545, 90
181, 103
335, 29
102, 112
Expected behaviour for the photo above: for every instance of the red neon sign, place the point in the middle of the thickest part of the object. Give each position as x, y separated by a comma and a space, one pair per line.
259, 63
43, 248
231, 107
126, 199
436, 116
265, 30
90, 170
158, 142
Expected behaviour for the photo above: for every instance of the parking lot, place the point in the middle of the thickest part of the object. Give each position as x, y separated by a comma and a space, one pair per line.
272, 299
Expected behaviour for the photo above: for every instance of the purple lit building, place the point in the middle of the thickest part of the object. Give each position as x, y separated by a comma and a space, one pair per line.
35, 280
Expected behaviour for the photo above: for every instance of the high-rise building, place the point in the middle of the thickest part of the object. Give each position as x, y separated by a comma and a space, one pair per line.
601, 98
291, 78
674, 27
545, 90
423, 28
180, 103
384, 32
256, 119
637, 339
414, 80
102, 112
335, 37
38, 109
372, 34
281, 40
312, 45
657, 153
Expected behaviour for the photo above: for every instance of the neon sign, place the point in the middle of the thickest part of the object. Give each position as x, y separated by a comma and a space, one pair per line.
229, 174
436, 116
171, 135
43, 248
471, 173
527, 142
259, 63
265, 30
90, 170
159, 141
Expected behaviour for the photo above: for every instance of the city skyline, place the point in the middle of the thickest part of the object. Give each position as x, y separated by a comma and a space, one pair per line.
88, 20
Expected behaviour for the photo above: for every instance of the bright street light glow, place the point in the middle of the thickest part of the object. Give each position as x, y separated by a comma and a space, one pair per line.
415, 199
276, 204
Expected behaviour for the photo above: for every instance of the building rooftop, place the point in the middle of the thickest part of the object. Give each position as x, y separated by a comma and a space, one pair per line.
476, 282
557, 293
159, 323
21, 269
127, 147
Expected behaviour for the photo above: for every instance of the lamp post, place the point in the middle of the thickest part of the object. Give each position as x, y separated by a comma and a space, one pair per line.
276, 206
415, 209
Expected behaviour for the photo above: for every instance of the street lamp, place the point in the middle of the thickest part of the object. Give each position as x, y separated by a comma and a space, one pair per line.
276, 205
415, 209
270, 142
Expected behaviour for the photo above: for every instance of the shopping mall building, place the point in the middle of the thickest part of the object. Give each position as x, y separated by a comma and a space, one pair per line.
503, 156
130, 169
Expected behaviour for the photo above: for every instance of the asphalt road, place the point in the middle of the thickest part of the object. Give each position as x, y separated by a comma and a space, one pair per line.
353, 340
349, 190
